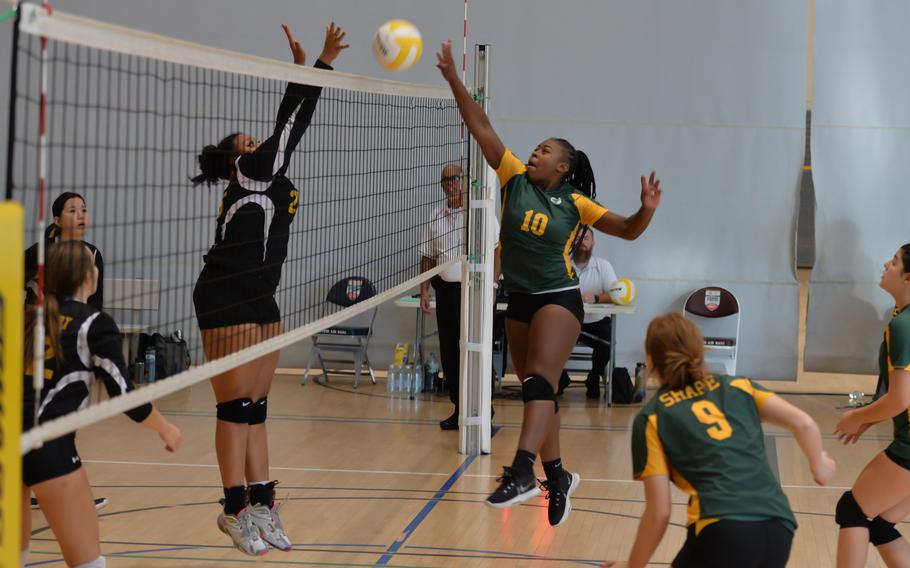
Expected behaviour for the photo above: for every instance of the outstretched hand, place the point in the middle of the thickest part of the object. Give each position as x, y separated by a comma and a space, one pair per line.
650, 192
296, 49
445, 62
333, 46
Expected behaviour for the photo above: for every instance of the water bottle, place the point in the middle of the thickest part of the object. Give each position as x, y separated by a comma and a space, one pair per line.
856, 399
640, 381
390, 379
139, 372
150, 364
432, 375
408, 380
418, 379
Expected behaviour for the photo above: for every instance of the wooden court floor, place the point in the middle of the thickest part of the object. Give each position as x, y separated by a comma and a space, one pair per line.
374, 482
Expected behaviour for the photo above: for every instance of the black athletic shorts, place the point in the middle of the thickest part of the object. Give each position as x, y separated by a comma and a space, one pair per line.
54, 459
222, 299
743, 544
901, 461
522, 307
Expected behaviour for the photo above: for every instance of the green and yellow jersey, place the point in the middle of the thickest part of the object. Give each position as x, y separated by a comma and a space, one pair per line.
895, 354
707, 438
538, 229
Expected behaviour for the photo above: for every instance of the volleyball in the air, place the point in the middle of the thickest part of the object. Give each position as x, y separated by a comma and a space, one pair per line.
397, 45
623, 292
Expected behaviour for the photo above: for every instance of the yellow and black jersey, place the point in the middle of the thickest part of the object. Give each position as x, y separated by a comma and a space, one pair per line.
90, 347
538, 229
707, 438
259, 204
895, 354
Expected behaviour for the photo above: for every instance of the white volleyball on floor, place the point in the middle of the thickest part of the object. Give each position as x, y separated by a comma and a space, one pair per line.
623, 292
397, 45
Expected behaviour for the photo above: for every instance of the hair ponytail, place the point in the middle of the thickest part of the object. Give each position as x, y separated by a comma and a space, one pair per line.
581, 177
68, 265
217, 162
677, 350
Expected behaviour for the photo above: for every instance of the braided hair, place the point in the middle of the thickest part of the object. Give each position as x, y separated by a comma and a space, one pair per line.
580, 176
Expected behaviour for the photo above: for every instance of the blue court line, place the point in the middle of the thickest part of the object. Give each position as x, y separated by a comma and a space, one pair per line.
412, 526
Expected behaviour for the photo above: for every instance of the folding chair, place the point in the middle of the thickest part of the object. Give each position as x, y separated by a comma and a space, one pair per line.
339, 340
716, 313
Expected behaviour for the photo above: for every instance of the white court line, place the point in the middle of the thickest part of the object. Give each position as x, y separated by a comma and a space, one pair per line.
392, 472
316, 469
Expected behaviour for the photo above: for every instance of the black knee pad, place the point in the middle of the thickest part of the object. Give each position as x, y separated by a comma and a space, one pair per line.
849, 514
260, 411
237, 411
535, 387
882, 532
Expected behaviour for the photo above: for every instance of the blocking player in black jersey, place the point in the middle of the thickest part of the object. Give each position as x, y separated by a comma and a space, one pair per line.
235, 298
546, 205
880, 496
703, 433
81, 344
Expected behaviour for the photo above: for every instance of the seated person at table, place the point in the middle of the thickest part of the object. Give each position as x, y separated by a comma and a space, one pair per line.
595, 274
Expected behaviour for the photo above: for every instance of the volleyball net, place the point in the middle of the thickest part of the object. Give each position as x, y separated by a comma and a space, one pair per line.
119, 116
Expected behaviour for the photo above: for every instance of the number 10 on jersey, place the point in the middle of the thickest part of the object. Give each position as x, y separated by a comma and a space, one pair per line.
535, 223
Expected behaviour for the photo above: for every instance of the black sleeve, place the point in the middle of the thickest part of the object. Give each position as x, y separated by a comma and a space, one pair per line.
106, 347
273, 156
96, 300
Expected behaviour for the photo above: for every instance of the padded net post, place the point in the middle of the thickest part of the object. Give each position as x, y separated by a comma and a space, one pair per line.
477, 289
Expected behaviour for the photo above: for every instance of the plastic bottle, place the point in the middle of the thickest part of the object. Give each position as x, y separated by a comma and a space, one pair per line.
407, 380
390, 379
418, 379
432, 375
150, 364
640, 381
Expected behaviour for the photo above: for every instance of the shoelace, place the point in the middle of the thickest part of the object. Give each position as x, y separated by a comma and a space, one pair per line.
508, 474
545, 485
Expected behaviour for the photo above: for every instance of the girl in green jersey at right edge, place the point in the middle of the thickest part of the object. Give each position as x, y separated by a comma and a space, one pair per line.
881, 494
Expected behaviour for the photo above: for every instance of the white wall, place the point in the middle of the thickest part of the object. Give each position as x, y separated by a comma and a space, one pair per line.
709, 93
860, 144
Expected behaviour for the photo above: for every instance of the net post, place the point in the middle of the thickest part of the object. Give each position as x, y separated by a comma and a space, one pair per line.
477, 290
11, 332
11, 118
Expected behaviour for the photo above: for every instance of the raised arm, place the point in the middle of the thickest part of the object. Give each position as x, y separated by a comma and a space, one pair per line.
293, 118
781, 413
473, 115
630, 228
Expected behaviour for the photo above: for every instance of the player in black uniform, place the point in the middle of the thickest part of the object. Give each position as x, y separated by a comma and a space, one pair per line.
235, 303
546, 204
71, 220
81, 344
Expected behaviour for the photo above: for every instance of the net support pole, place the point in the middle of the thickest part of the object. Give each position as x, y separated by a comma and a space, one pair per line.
477, 290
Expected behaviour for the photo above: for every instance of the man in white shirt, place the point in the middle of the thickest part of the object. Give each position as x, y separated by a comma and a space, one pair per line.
443, 239
595, 274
